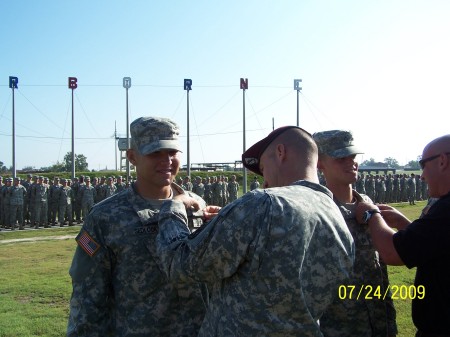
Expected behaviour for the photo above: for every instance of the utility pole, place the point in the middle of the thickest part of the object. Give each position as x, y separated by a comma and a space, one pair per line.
73, 85
298, 88
127, 85
13, 81
188, 87
244, 86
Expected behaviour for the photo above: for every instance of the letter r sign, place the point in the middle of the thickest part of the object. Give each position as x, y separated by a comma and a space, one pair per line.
73, 83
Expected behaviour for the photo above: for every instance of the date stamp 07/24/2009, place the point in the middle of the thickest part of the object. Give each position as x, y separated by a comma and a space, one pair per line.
369, 292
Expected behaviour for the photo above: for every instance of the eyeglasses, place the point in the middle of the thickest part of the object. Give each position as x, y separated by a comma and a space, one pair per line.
422, 162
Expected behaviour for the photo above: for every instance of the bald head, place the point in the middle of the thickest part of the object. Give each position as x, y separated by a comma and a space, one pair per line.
439, 145
436, 166
291, 156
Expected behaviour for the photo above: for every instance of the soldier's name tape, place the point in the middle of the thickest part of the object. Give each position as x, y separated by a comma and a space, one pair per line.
369, 292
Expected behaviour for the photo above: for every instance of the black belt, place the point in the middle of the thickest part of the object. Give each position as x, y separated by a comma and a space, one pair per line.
429, 334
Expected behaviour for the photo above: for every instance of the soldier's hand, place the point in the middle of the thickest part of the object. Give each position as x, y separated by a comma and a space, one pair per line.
189, 203
210, 212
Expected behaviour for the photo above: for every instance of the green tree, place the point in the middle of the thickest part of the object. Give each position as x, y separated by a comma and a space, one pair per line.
81, 164
3, 168
391, 162
58, 167
369, 162
414, 164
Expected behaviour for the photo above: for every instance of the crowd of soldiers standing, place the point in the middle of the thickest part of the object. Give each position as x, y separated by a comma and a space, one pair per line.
37, 202
388, 188
40, 203
215, 190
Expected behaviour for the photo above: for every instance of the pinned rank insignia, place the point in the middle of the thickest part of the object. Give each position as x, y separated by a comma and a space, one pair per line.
88, 244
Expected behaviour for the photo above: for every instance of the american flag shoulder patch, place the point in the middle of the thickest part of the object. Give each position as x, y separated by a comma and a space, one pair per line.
88, 244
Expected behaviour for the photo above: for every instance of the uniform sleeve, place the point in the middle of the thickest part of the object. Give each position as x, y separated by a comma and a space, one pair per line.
216, 250
91, 294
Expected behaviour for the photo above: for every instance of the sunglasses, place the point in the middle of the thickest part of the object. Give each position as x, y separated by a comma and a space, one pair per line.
422, 162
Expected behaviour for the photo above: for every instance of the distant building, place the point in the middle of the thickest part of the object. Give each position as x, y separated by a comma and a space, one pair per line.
377, 168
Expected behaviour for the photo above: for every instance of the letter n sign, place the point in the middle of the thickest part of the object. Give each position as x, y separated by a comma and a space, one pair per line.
73, 83
13, 82
244, 83
187, 84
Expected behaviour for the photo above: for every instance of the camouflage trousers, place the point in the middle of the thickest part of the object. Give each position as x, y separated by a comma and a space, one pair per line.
40, 213
65, 212
16, 214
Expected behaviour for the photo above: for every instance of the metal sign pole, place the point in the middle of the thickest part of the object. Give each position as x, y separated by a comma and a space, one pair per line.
188, 87
244, 86
73, 85
13, 81
127, 85
298, 88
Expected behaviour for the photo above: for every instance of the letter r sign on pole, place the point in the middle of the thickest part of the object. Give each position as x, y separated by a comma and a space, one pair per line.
13, 82
73, 83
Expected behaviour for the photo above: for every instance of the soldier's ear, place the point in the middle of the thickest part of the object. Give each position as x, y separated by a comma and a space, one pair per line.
131, 155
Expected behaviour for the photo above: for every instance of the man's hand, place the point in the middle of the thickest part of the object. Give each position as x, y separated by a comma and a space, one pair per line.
210, 212
361, 207
393, 218
189, 202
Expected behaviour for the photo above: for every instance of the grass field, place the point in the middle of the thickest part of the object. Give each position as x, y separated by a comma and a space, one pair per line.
35, 286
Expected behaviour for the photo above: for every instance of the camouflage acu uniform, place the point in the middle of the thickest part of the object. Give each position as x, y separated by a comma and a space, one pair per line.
40, 204
54, 192
395, 189
17, 197
5, 213
217, 189
411, 189
26, 203
65, 205
233, 189
389, 188
275, 259
87, 196
362, 318
403, 188
120, 185
208, 192
418, 188
370, 187
361, 184
198, 187
254, 185
109, 189
118, 289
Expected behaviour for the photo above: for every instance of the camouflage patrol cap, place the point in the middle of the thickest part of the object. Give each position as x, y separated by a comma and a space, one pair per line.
151, 134
336, 143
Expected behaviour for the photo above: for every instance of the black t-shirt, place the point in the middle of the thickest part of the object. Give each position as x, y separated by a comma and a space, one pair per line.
425, 244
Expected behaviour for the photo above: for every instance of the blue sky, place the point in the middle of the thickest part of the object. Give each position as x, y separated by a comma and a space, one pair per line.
378, 68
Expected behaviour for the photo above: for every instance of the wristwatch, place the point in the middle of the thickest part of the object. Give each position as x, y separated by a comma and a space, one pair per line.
368, 214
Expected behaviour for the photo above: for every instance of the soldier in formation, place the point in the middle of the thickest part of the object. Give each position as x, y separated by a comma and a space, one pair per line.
65, 203
17, 197
233, 189
198, 187
255, 184
86, 195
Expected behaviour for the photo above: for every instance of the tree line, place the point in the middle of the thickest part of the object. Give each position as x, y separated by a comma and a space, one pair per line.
81, 165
